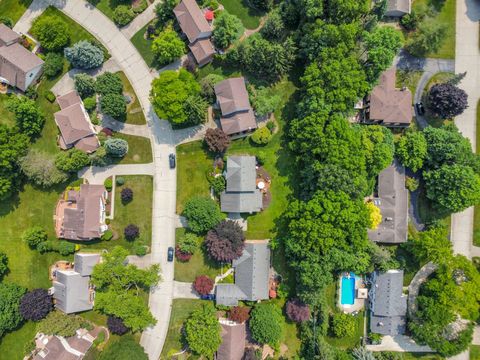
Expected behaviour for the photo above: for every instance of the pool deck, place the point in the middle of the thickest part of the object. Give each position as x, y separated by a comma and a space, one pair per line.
358, 304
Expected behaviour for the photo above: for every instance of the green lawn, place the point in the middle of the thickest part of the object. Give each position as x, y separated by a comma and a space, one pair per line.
250, 17
445, 15
14, 9
474, 352
135, 114
181, 309
7, 117
144, 46
12, 345
139, 149
108, 6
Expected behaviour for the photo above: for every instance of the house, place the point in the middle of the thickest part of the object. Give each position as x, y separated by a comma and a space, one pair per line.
233, 340
76, 129
252, 275
387, 105
392, 199
241, 194
80, 215
388, 304
398, 8
53, 347
72, 291
19, 67
195, 26
237, 114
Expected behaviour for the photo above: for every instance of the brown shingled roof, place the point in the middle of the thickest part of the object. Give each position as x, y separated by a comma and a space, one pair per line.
191, 20
68, 99
232, 96
7, 35
233, 341
202, 50
238, 122
19, 57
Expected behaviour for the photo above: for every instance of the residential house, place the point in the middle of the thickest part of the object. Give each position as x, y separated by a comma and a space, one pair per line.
72, 291
392, 199
195, 26
387, 105
76, 129
19, 67
252, 275
80, 215
233, 340
241, 194
237, 114
398, 8
388, 304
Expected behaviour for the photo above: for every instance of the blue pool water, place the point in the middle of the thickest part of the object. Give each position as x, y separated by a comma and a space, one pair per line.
347, 297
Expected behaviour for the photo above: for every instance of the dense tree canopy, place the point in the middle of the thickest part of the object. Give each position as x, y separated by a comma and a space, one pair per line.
202, 214
225, 242
109, 83
228, 28
72, 160
447, 100
84, 84
84, 55
203, 284
168, 46
28, 116
52, 33
411, 150
379, 148
216, 140
346, 11
202, 331
59, 323
428, 38
36, 304
297, 311
10, 316
267, 324
126, 348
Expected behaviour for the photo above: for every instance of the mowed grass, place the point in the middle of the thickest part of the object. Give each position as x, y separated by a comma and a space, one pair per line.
14, 9
250, 17
474, 352
144, 46
139, 149
12, 344
6, 117
135, 114
108, 6
181, 310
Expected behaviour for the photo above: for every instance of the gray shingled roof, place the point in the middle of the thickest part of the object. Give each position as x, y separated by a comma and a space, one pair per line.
252, 272
398, 7
393, 203
241, 173
241, 202
84, 263
388, 304
71, 292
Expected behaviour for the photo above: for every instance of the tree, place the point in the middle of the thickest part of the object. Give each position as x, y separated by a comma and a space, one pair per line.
446, 100
114, 105
131, 232
432, 245
65, 248
53, 64
167, 46
263, 5
203, 284
361, 353
273, 28
10, 316
297, 311
239, 314
123, 349
346, 11
34, 236
428, 38
411, 150
225, 242
36, 304
267, 324
164, 10
116, 325
375, 215
454, 187
343, 325
169, 93
216, 140
195, 108
6, 20
84, 55
85, 85
202, 331
228, 28
265, 102
59, 323
3, 265
109, 83
116, 147
52, 33
218, 184
123, 14
207, 85
188, 243
41, 170
379, 148
72, 160
202, 214
90, 104
261, 136
127, 195
28, 116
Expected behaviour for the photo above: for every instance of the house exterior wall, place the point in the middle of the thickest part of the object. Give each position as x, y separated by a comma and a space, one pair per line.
31, 77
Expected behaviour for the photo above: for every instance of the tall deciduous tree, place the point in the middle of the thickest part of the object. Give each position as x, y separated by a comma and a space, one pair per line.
267, 324
202, 331
203, 284
411, 149
297, 311
28, 116
168, 46
379, 148
447, 101
36, 304
226, 242
228, 28
202, 214
52, 33
125, 348
216, 140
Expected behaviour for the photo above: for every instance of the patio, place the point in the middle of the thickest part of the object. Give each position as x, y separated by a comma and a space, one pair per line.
359, 297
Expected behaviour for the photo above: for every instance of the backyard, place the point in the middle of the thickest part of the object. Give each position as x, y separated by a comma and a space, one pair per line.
14, 8
7, 116
250, 17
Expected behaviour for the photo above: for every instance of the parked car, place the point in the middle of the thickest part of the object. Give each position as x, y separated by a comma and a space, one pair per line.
170, 254
208, 297
171, 159
420, 109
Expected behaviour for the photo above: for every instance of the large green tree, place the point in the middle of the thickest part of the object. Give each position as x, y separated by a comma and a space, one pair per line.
379, 148
52, 33
28, 116
346, 11
228, 28
267, 324
125, 348
411, 149
202, 214
167, 46
202, 331
10, 317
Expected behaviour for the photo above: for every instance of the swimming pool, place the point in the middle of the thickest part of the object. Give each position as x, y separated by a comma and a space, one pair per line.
347, 296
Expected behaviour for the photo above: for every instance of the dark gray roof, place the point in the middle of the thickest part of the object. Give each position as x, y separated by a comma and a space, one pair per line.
241, 173
84, 263
393, 203
252, 272
387, 303
398, 7
71, 292
241, 202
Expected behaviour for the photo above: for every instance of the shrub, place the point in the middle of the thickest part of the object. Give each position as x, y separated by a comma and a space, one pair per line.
410, 21
216, 140
46, 246
99, 157
120, 180
85, 85
84, 55
188, 243
447, 100
50, 96
40, 169
411, 183
58, 323
207, 85
265, 102
261, 136
182, 256
202, 331
116, 325
202, 214
116, 147
6, 20
343, 325
226, 242
34, 236
90, 103
122, 15
53, 64
3, 264
10, 296
203, 284
108, 184
195, 108
125, 348
52, 33
72, 160
168, 46
109, 83
267, 324
28, 117
114, 105
297, 311
127, 195
239, 314
218, 184
140, 250
66, 248
261, 157
375, 215
131, 232
271, 126
107, 235
36, 304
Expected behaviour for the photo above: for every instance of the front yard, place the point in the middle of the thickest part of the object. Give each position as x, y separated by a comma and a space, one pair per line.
135, 114
108, 6
14, 8
144, 46
139, 149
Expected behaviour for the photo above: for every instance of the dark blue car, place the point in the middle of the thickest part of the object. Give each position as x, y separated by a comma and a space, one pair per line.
171, 160
208, 297
170, 254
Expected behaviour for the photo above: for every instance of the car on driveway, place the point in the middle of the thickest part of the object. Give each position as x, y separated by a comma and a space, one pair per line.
172, 161
420, 109
170, 254
208, 297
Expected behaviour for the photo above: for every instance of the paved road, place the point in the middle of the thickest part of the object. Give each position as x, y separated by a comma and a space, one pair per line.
164, 198
97, 175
